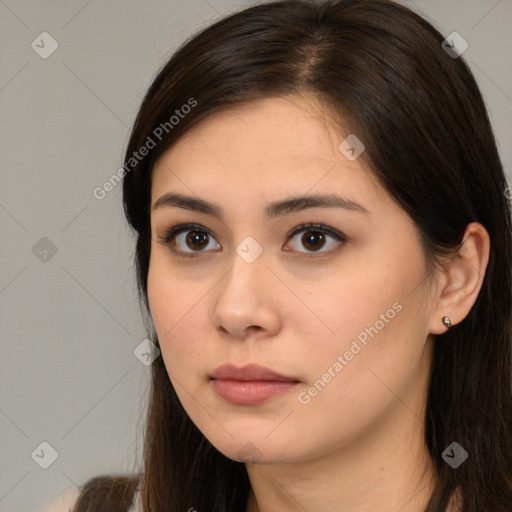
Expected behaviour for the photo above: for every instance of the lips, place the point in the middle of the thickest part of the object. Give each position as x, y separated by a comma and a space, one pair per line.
248, 372
249, 385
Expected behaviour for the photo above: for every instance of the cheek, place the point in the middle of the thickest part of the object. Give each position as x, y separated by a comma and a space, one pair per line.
352, 300
376, 355
372, 319
172, 307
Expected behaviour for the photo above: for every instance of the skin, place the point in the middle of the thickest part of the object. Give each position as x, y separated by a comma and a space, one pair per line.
357, 445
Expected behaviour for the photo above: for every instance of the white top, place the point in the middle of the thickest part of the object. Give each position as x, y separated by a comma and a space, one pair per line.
136, 504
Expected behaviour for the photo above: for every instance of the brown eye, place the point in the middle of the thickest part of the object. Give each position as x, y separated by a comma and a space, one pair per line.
189, 239
196, 240
313, 240
315, 237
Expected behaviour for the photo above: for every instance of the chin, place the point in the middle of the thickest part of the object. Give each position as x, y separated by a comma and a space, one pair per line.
256, 450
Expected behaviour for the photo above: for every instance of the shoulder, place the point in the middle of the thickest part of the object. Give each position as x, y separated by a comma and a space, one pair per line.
64, 503
105, 493
136, 504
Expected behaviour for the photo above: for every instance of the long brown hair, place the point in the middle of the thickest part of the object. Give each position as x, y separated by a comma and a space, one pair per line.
428, 140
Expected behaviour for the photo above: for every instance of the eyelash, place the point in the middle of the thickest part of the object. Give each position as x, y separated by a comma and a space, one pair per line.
173, 232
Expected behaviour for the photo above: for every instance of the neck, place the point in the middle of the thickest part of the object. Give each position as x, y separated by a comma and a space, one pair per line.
387, 469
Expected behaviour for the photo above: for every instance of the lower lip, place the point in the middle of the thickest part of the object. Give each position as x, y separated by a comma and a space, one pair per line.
251, 392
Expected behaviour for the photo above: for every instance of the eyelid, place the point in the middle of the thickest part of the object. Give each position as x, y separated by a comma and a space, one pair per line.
312, 226
179, 228
176, 230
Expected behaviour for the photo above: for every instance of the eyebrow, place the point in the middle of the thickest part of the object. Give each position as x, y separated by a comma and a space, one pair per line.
272, 210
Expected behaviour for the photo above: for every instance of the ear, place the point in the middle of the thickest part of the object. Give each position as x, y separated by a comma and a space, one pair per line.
459, 285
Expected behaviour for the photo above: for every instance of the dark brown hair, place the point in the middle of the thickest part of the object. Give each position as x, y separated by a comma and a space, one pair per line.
107, 493
381, 67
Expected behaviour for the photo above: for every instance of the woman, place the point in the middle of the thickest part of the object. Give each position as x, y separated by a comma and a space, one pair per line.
323, 246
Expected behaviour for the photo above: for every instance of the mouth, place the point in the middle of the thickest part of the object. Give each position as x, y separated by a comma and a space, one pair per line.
251, 384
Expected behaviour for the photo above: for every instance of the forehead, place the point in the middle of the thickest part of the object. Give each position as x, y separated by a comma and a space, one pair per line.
259, 149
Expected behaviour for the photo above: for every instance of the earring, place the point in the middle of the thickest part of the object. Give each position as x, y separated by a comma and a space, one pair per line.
447, 322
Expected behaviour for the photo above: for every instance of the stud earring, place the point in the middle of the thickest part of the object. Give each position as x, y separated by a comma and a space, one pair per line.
447, 322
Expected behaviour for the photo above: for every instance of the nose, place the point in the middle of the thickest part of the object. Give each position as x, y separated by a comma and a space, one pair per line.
246, 304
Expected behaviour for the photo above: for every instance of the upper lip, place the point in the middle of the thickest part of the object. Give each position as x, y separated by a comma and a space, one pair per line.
248, 372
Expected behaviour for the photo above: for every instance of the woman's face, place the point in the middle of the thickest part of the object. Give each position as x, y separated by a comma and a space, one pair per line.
341, 313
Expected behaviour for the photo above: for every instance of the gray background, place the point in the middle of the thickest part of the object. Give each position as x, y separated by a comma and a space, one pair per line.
70, 321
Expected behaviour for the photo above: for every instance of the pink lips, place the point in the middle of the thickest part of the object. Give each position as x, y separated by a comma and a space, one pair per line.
249, 385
